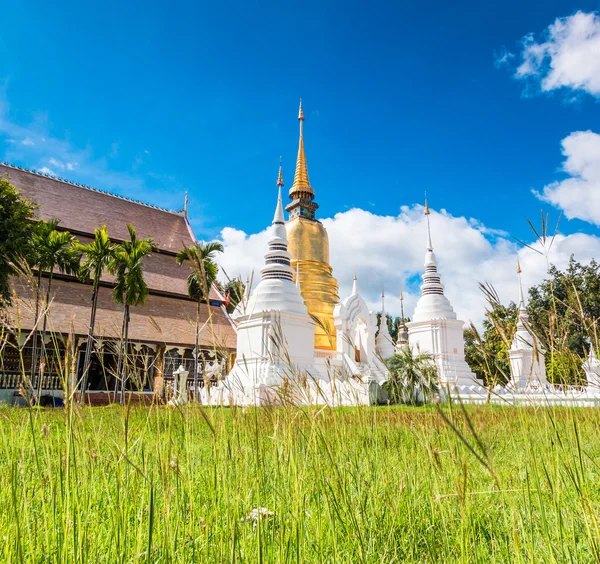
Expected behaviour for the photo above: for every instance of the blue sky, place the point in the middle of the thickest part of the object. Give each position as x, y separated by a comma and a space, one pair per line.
152, 99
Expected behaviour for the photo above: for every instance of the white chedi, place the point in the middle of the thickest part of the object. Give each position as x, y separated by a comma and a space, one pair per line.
591, 368
355, 333
526, 356
274, 332
435, 329
383, 342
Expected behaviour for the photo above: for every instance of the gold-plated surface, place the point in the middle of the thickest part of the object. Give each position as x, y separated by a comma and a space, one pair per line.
301, 187
309, 246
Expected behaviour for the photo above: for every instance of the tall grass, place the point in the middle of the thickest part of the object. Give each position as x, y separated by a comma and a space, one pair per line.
158, 484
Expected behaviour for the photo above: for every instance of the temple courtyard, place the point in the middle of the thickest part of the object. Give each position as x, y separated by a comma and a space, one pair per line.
289, 484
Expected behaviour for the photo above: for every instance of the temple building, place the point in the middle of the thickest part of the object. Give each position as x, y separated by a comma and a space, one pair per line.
162, 331
279, 356
309, 246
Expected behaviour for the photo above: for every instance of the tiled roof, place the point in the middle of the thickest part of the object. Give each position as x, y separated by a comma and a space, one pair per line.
81, 209
161, 320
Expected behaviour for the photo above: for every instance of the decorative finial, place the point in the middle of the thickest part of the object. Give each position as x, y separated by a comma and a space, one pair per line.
300, 112
354, 285
521, 297
280, 176
185, 203
355, 275
427, 212
401, 306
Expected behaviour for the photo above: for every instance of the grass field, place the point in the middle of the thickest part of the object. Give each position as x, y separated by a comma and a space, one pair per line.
355, 485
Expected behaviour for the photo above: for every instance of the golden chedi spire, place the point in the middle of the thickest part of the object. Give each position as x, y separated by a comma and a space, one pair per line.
301, 187
309, 246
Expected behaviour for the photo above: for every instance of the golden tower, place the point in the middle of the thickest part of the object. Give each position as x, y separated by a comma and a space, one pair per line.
309, 246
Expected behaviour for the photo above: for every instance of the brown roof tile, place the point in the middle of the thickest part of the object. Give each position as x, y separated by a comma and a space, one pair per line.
161, 320
82, 209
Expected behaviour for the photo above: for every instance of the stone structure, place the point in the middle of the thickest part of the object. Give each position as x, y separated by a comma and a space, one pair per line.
276, 357
275, 332
527, 366
591, 369
435, 329
383, 342
309, 246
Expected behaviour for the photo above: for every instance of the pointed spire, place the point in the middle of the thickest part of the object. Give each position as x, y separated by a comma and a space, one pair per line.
279, 218
521, 298
401, 307
427, 212
280, 176
185, 203
382, 302
278, 258
354, 285
301, 187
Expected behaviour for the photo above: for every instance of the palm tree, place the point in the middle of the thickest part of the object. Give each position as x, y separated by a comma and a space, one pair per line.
97, 256
130, 289
52, 250
200, 280
41, 232
413, 377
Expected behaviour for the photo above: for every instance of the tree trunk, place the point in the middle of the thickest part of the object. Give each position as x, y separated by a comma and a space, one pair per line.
120, 362
33, 380
196, 352
126, 348
89, 345
43, 349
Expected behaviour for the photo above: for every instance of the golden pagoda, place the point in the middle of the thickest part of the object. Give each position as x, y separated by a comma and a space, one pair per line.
309, 246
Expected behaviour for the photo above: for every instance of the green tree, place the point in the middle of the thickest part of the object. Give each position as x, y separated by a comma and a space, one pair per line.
234, 292
564, 309
413, 377
97, 256
16, 231
203, 274
393, 324
487, 352
127, 264
52, 250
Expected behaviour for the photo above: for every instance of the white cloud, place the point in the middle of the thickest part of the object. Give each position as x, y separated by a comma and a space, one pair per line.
579, 194
46, 170
568, 57
388, 251
503, 57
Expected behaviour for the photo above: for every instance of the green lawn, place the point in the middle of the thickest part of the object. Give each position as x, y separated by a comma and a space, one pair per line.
344, 485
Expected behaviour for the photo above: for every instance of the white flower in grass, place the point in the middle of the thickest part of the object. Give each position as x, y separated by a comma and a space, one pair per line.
257, 514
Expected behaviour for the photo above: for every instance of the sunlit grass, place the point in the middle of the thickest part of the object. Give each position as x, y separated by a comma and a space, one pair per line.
345, 485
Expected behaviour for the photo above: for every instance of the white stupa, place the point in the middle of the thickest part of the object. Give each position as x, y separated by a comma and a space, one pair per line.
275, 333
383, 342
435, 329
356, 345
402, 340
527, 366
591, 368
